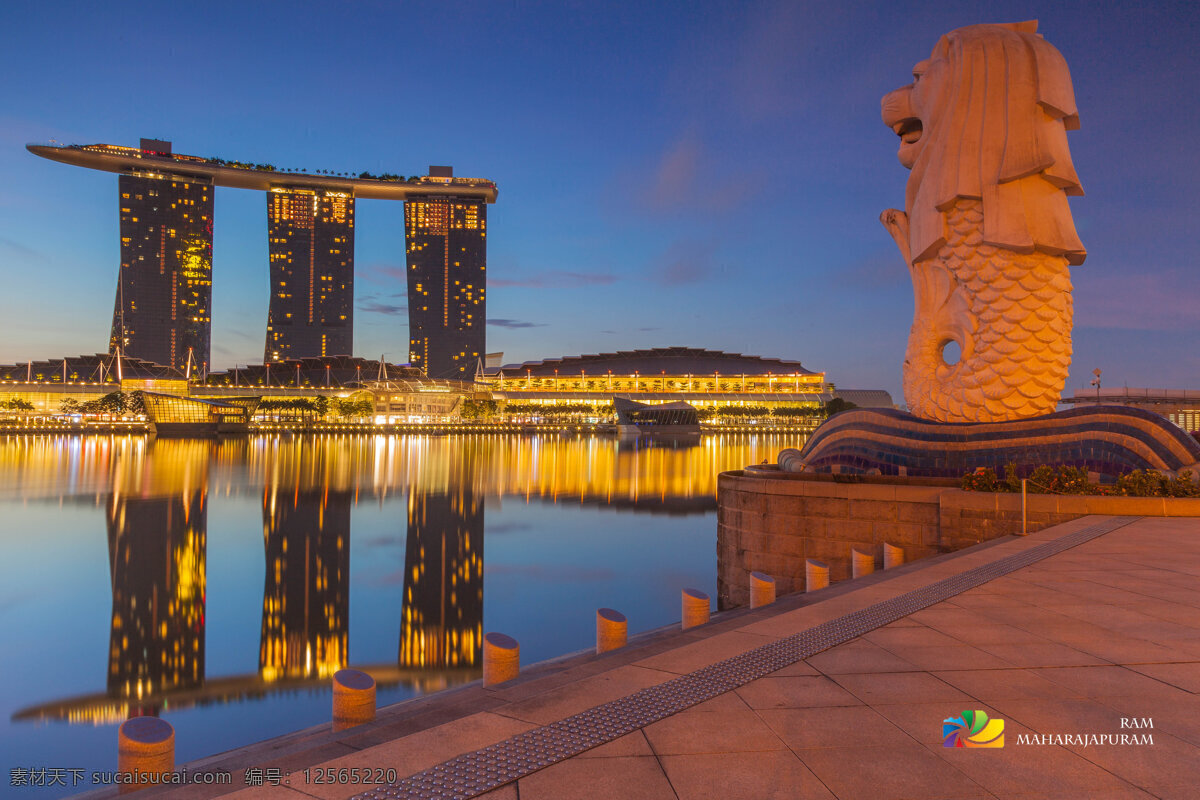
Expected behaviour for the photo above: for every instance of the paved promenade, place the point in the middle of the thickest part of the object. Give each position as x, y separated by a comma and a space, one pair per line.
1073, 651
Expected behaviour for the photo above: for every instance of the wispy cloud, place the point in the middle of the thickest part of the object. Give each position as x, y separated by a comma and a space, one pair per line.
557, 573
1137, 299
684, 263
514, 323
556, 279
372, 304
686, 177
21, 250
882, 269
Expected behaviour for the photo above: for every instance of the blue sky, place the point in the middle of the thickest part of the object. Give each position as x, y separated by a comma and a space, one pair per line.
692, 173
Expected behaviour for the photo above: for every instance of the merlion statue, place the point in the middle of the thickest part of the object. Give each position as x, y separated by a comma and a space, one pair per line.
986, 229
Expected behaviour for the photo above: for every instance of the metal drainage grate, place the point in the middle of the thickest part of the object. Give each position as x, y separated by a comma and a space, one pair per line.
472, 774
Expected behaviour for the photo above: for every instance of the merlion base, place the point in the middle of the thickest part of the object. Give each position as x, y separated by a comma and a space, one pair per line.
1106, 440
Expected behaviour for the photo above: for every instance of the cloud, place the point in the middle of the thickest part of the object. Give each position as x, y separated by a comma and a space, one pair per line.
675, 179
21, 250
650, 329
383, 270
684, 263
373, 306
1137, 299
556, 279
514, 323
686, 178
883, 269
558, 573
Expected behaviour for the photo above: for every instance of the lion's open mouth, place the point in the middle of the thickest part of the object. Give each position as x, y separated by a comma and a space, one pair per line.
909, 130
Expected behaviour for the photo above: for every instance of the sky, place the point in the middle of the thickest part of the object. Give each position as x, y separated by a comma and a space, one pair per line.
703, 174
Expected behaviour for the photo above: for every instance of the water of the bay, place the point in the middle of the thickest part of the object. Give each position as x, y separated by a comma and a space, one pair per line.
219, 584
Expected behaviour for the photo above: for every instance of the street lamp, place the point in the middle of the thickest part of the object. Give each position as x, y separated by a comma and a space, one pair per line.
1096, 383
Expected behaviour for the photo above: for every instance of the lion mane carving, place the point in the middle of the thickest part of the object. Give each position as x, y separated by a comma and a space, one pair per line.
986, 231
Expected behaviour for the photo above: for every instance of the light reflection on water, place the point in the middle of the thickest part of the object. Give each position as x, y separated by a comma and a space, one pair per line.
219, 584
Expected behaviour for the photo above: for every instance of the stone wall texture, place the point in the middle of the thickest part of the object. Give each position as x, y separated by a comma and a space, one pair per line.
771, 522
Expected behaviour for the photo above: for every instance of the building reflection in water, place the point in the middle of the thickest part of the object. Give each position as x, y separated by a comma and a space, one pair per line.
306, 593
157, 537
156, 492
442, 616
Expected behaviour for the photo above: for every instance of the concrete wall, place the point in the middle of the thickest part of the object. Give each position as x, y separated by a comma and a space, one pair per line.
771, 522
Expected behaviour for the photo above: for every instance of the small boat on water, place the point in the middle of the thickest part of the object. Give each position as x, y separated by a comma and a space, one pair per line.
176, 415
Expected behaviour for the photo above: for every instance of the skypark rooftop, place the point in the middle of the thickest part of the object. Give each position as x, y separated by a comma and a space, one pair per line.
263, 177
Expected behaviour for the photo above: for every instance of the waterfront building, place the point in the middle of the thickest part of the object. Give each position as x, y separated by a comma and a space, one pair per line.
46, 384
1180, 406
310, 236
706, 379
447, 280
328, 372
163, 307
306, 594
165, 316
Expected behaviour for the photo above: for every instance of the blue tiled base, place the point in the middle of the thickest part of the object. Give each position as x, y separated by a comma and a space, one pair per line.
1104, 439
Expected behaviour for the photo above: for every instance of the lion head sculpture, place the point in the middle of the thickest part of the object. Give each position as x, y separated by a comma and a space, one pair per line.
983, 129
986, 117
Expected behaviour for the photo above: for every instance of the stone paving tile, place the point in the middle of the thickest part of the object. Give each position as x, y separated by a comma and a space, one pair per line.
1186, 676
908, 637
1177, 715
1112, 681
797, 669
955, 656
1119, 649
923, 721
882, 688
631, 778
420, 751
845, 726
508, 792
795, 692
992, 633
1055, 771
1050, 654
859, 655
902, 772
1169, 762
727, 731
268, 793
772, 775
1009, 684
692, 657
573, 698
631, 744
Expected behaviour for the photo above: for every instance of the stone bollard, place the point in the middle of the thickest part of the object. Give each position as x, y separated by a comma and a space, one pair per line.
816, 575
145, 746
695, 608
862, 563
612, 630
353, 698
762, 589
893, 556
501, 658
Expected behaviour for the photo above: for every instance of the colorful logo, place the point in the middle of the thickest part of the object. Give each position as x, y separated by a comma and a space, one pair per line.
973, 729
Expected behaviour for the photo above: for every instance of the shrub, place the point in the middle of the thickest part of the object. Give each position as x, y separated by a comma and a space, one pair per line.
1074, 480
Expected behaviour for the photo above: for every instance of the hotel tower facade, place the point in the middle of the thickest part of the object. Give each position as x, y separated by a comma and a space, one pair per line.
163, 310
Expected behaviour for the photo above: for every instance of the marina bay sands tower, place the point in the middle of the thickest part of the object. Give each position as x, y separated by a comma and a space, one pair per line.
163, 308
